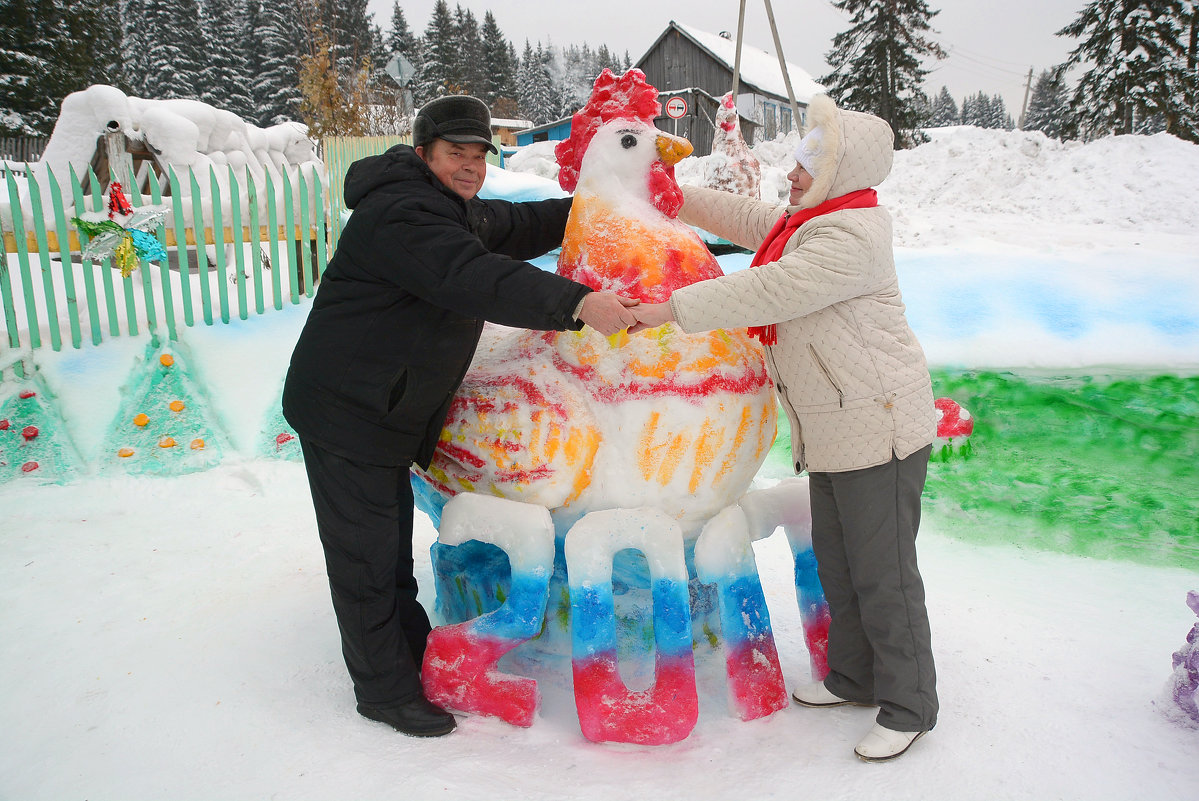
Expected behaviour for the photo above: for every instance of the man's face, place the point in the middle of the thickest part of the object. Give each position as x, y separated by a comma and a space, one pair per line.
460, 167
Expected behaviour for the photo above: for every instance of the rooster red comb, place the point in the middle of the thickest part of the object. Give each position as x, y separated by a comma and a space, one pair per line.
628, 97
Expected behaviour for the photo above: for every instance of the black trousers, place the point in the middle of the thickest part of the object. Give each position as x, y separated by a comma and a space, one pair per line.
864, 525
364, 517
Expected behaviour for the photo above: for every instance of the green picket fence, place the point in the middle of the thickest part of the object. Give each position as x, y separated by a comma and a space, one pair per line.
53, 295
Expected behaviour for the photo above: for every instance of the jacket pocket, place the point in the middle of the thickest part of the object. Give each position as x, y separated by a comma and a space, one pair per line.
395, 395
828, 374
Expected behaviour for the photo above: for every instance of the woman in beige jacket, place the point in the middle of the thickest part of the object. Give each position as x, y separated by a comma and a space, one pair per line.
824, 298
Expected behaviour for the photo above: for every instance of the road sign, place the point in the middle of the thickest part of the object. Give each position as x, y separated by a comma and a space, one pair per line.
676, 107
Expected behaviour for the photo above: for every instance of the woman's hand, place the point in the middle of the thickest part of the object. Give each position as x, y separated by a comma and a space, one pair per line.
651, 315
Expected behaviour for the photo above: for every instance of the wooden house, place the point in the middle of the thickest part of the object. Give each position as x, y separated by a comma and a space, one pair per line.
698, 66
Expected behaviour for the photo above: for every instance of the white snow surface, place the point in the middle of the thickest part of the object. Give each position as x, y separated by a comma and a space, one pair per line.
173, 638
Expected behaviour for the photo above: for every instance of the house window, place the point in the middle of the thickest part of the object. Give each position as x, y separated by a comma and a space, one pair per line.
769, 120
785, 123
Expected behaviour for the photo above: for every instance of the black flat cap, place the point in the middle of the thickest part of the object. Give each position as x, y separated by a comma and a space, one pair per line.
454, 118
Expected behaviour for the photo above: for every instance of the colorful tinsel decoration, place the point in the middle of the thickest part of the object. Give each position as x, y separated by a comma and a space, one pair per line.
127, 241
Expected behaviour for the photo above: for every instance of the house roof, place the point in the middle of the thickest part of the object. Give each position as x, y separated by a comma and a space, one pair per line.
759, 69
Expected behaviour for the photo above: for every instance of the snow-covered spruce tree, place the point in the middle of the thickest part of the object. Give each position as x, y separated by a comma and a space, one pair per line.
399, 37
998, 116
468, 55
348, 25
164, 48
1048, 106
25, 54
499, 70
1136, 52
876, 63
945, 110
435, 75
225, 80
280, 40
537, 87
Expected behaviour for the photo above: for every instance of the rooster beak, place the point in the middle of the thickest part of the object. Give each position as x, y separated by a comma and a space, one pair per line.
673, 149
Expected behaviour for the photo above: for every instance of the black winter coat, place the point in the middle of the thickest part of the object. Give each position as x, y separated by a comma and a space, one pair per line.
400, 309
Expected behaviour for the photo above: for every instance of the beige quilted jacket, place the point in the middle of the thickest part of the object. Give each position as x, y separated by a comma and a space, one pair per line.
848, 370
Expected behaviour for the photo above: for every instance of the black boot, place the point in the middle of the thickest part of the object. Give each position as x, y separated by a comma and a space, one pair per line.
419, 717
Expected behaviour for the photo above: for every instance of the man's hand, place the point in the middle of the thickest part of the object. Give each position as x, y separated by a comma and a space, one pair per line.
651, 315
607, 313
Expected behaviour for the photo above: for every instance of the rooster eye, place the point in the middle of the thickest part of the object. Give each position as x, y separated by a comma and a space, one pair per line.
627, 141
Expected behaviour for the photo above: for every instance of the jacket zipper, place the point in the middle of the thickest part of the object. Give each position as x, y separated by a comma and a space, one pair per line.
827, 374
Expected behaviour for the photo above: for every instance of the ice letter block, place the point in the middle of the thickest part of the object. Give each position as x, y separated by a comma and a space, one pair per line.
788, 504
666, 712
724, 556
460, 666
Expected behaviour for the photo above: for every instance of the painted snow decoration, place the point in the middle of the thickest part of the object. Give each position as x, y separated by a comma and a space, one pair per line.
1183, 687
34, 440
609, 711
460, 669
124, 234
162, 407
731, 167
954, 427
180, 135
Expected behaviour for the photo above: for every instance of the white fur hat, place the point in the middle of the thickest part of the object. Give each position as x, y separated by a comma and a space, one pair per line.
808, 152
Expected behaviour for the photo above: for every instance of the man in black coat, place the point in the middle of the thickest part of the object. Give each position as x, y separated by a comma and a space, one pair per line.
421, 265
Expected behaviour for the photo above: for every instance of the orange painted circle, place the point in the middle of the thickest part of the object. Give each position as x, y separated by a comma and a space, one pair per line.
166, 442
125, 453
176, 406
166, 359
197, 444
141, 419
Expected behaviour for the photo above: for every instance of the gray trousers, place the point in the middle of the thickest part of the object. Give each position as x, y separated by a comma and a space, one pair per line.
864, 526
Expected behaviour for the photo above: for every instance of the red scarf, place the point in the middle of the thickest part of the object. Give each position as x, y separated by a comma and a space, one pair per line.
772, 247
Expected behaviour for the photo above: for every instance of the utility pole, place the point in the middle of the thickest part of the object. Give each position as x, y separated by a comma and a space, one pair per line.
1024, 105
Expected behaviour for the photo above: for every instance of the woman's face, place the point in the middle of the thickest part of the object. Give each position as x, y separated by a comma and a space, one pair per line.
801, 181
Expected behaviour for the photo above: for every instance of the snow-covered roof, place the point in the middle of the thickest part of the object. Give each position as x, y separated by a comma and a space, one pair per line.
500, 122
758, 68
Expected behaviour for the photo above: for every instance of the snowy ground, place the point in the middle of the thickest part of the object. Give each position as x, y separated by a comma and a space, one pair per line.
173, 638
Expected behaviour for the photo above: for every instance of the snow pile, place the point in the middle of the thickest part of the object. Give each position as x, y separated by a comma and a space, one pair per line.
1020, 187
536, 159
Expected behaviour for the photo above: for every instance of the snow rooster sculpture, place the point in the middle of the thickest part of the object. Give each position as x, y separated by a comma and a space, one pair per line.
578, 422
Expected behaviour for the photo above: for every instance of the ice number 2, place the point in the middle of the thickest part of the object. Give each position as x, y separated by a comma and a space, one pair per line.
460, 669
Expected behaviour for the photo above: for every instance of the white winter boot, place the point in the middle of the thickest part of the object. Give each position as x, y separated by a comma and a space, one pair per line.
882, 744
817, 696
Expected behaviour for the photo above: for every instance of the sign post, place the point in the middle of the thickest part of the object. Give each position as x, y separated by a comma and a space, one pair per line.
676, 107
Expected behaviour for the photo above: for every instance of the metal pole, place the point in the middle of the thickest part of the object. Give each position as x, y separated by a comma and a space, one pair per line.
737, 60
778, 47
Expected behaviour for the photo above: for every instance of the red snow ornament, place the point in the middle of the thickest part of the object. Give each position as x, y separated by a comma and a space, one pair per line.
117, 202
29, 467
954, 427
29, 432
4, 424
283, 439
26, 394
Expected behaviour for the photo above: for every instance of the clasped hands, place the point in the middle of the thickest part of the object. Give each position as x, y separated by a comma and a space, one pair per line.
609, 313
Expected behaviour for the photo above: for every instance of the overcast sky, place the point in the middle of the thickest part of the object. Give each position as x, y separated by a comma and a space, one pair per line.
991, 44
